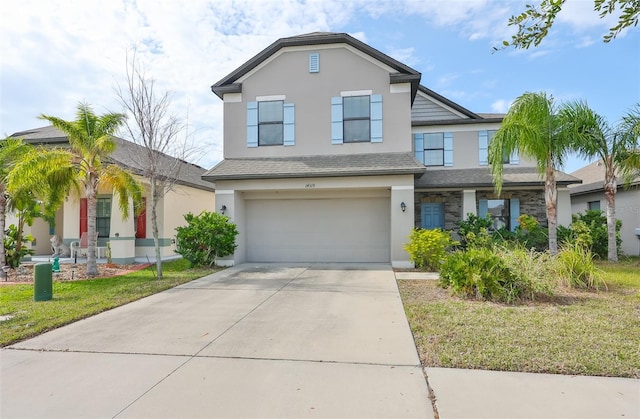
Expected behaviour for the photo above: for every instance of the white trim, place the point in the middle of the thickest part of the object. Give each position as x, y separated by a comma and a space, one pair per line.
400, 88
269, 98
224, 192
356, 93
402, 188
402, 264
232, 97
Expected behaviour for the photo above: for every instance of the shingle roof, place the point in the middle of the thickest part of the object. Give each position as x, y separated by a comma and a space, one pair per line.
405, 74
127, 155
481, 177
307, 166
592, 176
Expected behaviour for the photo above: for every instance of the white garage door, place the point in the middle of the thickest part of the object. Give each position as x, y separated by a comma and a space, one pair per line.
318, 230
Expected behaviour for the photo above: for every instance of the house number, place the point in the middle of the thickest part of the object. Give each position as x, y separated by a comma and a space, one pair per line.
310, 185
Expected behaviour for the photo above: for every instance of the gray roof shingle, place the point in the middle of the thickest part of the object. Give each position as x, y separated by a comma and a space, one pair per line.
322, 166
481, 177
128, 155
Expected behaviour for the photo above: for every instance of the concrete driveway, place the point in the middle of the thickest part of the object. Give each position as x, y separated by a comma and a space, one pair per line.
250, 341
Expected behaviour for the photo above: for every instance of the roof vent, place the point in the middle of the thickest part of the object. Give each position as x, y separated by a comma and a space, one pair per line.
314, 62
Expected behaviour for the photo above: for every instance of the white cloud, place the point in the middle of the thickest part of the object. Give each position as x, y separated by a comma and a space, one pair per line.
500, 106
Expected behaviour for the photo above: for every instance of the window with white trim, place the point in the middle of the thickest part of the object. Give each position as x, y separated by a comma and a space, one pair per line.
434, 148
356, 119
270, 122
103, 216
484, 139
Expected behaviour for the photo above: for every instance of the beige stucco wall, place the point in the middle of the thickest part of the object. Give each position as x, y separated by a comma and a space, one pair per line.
182, 200
466, 145
233, 194
342, 69
627, 211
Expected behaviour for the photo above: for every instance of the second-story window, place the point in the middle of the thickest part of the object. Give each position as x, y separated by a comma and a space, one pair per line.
271, 122
434, 148
356, 119
484, 139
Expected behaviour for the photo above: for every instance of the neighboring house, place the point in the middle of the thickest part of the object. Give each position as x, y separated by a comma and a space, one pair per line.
590, 196
334, 152
132, 237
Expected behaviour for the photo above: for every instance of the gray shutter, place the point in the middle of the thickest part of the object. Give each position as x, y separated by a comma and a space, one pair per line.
289, 124
337, 134
483, 146
252, 124
514, 213
483, 208
448, 149
376, 118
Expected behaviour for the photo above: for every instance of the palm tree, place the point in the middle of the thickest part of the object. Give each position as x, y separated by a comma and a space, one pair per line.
29, 174
617, 147
533, 128
91, 141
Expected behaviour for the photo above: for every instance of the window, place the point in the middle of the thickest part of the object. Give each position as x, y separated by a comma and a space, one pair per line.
270, 122
434, 149
504, 212
356, 119
484, 139
593, 205
103, 216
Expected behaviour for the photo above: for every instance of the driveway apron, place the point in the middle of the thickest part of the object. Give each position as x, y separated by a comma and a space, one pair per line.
255, 340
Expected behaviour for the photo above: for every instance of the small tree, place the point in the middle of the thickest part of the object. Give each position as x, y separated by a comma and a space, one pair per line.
206, 237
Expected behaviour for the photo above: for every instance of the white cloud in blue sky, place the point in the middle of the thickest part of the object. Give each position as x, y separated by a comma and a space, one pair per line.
56, 53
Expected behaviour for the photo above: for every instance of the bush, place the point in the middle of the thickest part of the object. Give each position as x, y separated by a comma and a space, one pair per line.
590, 230
15, 247
575, 267
205, 238
428, 248
533, 270
530, 234
480, 273
472, 229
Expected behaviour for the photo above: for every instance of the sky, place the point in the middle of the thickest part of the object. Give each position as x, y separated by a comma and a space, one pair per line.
57, 53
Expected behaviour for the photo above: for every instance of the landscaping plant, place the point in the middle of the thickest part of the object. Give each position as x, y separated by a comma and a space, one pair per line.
205, 238
428, 248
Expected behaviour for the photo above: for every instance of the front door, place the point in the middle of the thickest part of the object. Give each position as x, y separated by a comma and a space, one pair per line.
433, 216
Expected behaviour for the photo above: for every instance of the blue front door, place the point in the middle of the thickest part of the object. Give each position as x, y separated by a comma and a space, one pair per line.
433, 216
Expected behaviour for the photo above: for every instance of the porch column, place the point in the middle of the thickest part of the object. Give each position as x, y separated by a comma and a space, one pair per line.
468, 203
122, 236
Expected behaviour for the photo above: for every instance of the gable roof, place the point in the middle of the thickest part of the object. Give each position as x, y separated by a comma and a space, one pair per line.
481, 177
124, 155
316, 166
404, 73
592, 176
430, 108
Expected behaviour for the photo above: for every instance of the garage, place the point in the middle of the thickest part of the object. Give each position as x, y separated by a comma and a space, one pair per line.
318, 230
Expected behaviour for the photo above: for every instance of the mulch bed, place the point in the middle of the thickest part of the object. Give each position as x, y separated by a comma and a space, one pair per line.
70, 272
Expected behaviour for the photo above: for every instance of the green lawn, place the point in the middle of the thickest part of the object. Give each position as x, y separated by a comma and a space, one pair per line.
574, 332
75, 300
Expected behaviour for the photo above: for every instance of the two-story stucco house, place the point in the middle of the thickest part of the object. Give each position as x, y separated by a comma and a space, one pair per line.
334, 152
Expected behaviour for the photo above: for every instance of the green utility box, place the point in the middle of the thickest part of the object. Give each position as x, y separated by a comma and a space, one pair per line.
42, 282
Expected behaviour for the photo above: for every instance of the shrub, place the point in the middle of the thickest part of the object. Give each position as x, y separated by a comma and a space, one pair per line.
530, 234
474, 230
590, 230
480, 273
205, 238
575, 267
15, 249
428, 248
534, 271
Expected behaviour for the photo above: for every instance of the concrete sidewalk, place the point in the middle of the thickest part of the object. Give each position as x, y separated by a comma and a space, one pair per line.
249, 341
463, 393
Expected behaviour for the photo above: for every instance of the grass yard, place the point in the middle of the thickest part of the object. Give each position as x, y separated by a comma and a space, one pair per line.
574, 332
75, 300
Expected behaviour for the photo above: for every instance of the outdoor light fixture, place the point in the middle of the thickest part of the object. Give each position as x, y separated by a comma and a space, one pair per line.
403, 206
223, 209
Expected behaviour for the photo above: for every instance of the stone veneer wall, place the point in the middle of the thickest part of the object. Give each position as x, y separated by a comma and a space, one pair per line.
452, 207
531, 203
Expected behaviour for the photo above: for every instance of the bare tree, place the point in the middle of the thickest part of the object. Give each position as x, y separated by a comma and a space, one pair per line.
151, 125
